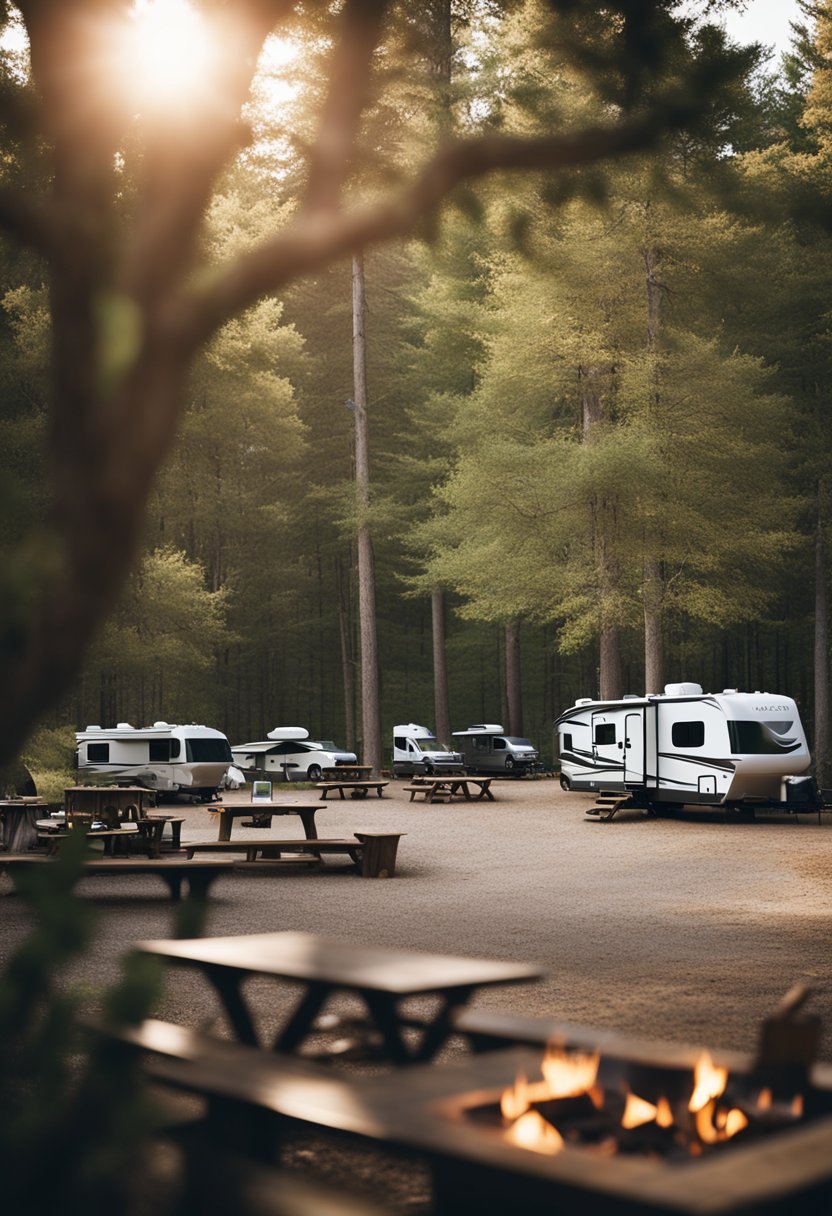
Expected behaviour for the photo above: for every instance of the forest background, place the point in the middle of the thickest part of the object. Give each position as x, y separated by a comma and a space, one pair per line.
598, 410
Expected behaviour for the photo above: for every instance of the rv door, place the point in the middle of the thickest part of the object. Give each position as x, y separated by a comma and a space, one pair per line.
608, 747
634, 748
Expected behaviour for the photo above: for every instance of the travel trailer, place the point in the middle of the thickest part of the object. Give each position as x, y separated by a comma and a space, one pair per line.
686, 746
288, 754
488, 749
162, 757
416, 750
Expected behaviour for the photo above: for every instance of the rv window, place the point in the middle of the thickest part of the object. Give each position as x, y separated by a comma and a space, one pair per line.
754, 739
499, 745
159, 750
400, 742
605, 732
480, 743
566, 743
688, 734
175, 749
208, 751
98, 753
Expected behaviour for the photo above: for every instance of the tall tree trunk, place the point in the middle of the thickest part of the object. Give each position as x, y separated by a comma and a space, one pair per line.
610, 664
514, 690
653, 584
653, 638
347, 659
370, 714
823, 742
441, 704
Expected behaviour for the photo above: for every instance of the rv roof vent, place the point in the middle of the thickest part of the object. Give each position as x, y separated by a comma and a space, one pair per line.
726, 692
159, 725
685, 689
93, 728
123, 726
631, 696
584, 701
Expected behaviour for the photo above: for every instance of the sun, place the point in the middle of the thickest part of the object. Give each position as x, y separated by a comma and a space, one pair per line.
166, 55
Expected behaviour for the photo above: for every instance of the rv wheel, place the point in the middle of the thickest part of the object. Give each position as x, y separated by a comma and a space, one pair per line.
565, 783
313, 773
428, 770
509, 763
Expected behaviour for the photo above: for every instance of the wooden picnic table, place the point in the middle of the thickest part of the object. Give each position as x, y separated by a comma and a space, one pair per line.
435, 789
357, 789
380, 976
228, 812
348, 772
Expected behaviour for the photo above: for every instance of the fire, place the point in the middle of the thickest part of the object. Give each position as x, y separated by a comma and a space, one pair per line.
708, 1082
533, 1132
638, 1111
568, 1074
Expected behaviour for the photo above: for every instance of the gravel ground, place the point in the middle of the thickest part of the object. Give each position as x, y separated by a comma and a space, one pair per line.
688, 929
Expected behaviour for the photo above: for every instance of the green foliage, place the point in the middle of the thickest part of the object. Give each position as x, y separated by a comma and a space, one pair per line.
49, 756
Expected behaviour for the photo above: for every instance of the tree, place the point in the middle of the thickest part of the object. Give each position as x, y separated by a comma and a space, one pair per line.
119, 234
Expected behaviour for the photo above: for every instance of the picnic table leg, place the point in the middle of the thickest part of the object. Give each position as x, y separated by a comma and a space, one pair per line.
442, 1026
307, 818
383, 1012
300, 1023
174, 884
228, 987
225, 826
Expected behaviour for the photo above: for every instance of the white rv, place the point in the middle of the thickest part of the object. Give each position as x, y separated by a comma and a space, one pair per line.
416, 750
488, 749
162, 757
686, 746
289, 754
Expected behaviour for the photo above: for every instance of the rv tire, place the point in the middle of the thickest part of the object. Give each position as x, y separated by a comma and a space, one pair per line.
509, 764
565, 783
314, 773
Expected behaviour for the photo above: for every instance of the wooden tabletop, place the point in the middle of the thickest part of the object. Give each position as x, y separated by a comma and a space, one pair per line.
313, 959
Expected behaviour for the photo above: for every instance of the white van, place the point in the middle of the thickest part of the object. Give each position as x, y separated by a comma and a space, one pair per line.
288, 754
162, 757
488, 749
416, 750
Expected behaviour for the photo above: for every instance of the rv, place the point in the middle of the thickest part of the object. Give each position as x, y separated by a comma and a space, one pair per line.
287, 753
416, 750
686, 746
488, 749
162, 757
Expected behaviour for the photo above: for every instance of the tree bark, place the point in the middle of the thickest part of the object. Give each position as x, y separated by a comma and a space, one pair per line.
347, 659
653, 639
610, 680
514, 690
441, 703
370, 715
823, 743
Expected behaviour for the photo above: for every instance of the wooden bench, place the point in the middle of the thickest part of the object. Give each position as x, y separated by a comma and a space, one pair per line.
172, 870
252, 1100
372, 853
358, 789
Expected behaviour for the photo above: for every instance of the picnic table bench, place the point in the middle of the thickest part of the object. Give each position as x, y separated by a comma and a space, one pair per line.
172, 870
373, 854
358, 789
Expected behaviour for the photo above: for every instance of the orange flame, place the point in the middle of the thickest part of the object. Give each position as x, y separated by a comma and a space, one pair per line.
568, 1074
531, 1131
708, 1082
637, 1111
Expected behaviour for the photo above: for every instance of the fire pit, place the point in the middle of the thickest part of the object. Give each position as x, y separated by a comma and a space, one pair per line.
625, 1128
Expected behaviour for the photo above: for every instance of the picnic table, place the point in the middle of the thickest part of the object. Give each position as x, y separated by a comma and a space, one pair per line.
18, 823
348, 772
380, 976
357, 789
230, 811
440, 789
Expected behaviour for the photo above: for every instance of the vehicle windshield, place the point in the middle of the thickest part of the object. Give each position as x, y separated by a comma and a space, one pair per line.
428, 745
761, 738
519, 742
209, 751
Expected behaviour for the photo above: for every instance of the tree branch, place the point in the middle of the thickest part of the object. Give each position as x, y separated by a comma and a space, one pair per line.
341, 113
314, 238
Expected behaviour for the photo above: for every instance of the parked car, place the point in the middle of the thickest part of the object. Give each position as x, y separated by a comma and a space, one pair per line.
288, 753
